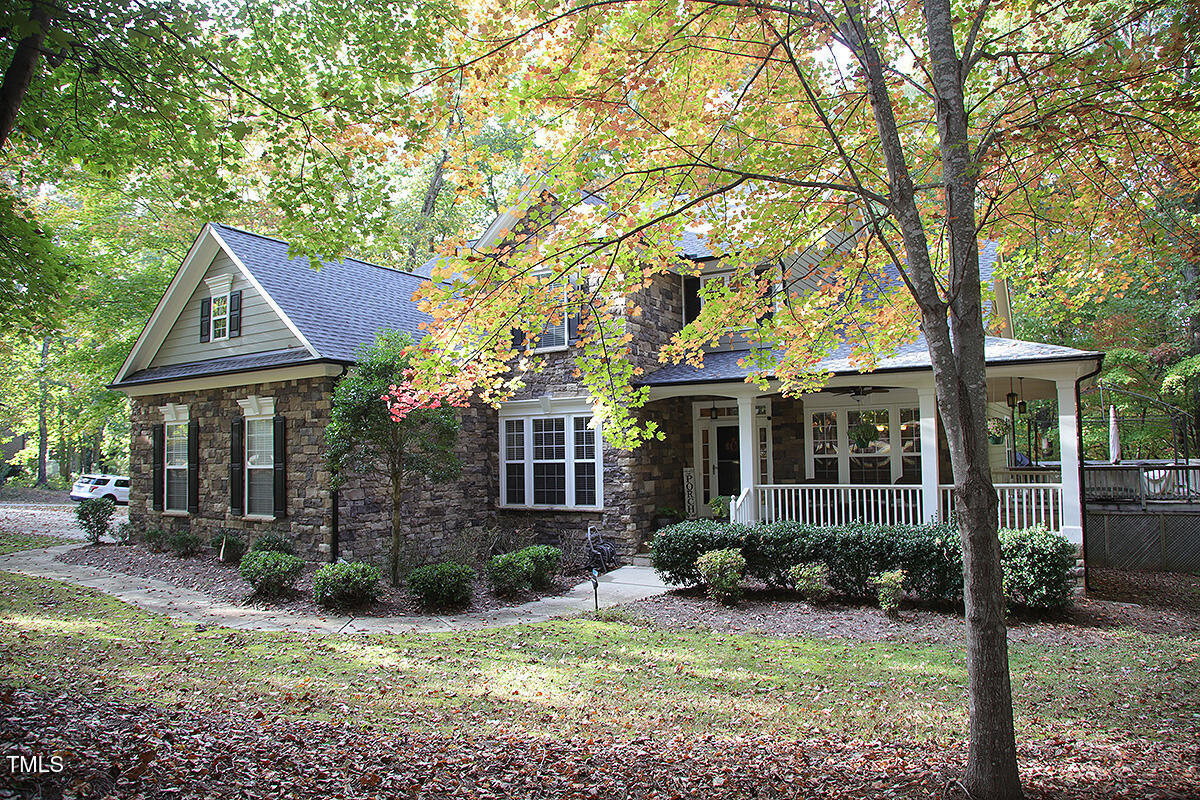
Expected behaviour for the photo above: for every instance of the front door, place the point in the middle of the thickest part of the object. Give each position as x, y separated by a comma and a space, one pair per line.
729, 471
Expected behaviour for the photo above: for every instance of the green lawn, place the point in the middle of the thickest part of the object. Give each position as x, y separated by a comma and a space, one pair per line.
15, 542
592, 677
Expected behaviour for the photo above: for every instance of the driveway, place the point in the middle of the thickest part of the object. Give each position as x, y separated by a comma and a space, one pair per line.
47, 519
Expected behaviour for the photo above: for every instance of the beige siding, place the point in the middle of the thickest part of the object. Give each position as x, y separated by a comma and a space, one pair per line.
262, 329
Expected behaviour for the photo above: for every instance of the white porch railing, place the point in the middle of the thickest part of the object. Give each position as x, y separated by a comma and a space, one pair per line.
741, 509
1020, 505
837, 504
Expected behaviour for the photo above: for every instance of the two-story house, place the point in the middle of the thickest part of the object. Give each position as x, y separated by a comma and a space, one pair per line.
232, 377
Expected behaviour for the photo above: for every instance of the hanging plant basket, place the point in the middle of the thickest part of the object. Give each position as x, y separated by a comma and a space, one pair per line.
994, 439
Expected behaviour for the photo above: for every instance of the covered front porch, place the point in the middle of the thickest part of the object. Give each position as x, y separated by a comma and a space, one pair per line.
867, 448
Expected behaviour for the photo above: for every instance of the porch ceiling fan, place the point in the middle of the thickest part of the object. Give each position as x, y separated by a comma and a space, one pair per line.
856, 391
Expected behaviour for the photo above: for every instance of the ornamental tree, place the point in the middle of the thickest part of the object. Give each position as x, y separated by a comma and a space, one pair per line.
380, 423
914, 128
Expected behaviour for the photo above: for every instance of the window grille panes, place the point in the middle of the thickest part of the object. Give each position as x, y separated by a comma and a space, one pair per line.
585, 463
764, 462
549, 439
910, 445
585, 439
514, 440
514, 483
550, 483
175, 461
220, 316
825, 446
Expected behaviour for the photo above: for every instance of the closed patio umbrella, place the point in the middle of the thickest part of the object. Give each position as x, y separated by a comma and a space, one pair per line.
1114, 438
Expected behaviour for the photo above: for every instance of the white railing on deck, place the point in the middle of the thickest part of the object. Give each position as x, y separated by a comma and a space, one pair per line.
741, 508
1007, 475
1020, 505
839, 504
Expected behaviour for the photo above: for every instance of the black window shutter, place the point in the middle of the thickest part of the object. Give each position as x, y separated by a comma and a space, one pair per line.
193, 469
280, 466
235, 313
518, 338
691, 299
205, 319
159, 443
237, 459
573, 327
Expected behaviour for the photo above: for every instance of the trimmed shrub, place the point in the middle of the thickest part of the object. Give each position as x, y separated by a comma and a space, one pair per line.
545, 561
811, 581
676, 547
345, 584
1037, 568
445, 585
272, 543
95, 517
511, 573
156, 539
124, 533
721, 571
890, 587
184, 543
270, 572
229, 547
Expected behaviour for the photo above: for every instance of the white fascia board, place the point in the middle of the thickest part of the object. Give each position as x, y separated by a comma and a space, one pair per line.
205, 382
270, 300
171, 304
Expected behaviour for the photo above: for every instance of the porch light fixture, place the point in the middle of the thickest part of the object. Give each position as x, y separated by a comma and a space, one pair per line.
1022, 406
1011, 399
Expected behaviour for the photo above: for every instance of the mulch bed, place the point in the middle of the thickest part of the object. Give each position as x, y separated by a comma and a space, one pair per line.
112, 748
205, 573
781, 613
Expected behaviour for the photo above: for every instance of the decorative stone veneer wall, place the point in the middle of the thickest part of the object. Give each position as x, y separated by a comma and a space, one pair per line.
434, 513
305, 403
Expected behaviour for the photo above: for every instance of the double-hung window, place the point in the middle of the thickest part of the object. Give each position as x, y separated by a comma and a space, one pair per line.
550, 461
220, 317
556, 334
260, 467
175, 466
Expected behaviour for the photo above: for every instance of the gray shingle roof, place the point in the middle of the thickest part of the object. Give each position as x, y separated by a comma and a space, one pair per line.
339, 307
221, 366
723, 366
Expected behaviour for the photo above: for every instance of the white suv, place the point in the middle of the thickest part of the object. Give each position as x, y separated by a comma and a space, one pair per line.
114, 487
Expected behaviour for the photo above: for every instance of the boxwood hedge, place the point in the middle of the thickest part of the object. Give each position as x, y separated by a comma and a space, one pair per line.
1036, 562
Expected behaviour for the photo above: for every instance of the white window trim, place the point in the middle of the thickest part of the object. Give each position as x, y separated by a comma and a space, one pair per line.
569, 409
564, 324
256, 408
174, 414
219, 286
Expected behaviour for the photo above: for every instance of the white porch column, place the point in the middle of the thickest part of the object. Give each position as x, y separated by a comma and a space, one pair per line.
747, 445
930, 496
1068, 442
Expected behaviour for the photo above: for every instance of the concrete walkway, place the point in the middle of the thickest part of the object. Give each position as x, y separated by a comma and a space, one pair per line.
619, 586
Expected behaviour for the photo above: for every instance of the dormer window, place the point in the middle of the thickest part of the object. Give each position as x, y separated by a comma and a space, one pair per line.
221, 311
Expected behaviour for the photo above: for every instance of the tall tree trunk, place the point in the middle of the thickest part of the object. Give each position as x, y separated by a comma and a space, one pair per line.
20, 71
428, 206
955, 337
43, 422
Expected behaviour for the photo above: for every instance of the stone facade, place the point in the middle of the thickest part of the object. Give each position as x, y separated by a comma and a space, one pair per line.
434, 513
304, 403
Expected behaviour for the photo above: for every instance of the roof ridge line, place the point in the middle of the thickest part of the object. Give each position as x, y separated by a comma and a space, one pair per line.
277, 240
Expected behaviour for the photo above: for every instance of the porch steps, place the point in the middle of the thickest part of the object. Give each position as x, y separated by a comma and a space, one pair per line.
641, 559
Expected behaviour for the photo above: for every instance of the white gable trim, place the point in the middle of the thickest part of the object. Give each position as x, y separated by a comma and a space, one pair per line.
171, 305
270, 300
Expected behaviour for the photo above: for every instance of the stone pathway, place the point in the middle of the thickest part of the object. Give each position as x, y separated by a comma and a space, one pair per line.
619, 586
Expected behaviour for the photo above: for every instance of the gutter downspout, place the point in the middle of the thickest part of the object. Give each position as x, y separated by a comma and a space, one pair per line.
334, 538
1083, 518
